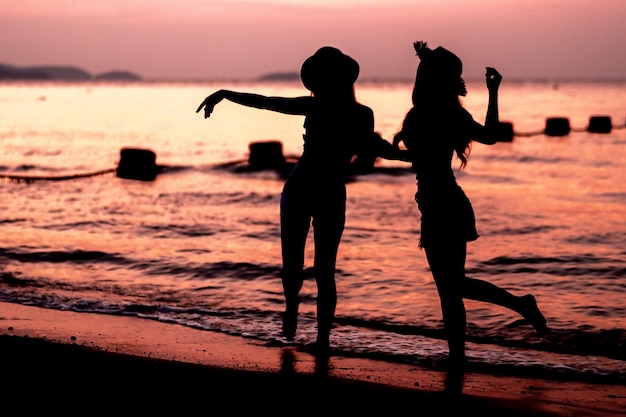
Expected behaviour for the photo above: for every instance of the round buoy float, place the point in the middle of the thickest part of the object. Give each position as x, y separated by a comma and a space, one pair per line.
600, 124
557, 126
266, 155
505, 132
137, 164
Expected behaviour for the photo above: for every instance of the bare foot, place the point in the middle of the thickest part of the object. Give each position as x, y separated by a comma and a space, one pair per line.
455, 376
290, 322
533, 315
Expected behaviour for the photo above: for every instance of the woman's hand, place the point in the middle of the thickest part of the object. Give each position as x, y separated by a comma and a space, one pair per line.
210, 102
397, 138
493, 79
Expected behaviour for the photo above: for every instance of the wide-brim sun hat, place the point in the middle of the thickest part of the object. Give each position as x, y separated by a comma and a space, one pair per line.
328, 66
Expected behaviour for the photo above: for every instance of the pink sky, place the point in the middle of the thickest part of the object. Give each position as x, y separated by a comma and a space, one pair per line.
220, 39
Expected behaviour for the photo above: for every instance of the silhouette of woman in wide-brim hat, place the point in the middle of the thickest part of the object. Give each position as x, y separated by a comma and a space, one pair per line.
337, 128
329, 68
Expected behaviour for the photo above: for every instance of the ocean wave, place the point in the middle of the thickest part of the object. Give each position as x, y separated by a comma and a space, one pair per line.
239, 271
524, 230
611, 238
524, 159
581, 354
154, 302
58, 256
567, 265
219, 198
182, 230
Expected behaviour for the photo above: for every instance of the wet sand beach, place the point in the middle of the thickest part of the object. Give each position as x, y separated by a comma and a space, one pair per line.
65, 361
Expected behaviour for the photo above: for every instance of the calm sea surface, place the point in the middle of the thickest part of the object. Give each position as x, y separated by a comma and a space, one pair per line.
199, 246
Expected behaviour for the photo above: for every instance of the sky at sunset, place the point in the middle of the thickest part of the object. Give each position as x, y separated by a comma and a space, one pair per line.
231, 39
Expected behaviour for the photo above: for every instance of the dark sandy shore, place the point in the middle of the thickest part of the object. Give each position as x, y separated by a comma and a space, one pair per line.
89, 364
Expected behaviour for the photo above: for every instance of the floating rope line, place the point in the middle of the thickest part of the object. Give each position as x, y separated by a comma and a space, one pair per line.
559, 126
549, 131
33, 178
140, 164
563, 131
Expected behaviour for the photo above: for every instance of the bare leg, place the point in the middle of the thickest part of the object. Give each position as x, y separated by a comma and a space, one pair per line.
526, 306
326, 305
294, 230
328, 229
480, 290
447, 264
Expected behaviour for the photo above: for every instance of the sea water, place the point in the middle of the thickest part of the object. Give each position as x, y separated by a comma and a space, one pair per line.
200, 245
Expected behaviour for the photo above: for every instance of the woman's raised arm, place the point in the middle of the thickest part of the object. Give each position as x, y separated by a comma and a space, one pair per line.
490, 132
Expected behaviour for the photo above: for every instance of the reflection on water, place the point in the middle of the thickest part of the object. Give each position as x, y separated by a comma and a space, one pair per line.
199, 246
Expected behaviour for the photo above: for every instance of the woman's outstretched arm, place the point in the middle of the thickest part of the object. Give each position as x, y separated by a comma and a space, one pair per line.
295, 105
490, 132
391, 151
387, 150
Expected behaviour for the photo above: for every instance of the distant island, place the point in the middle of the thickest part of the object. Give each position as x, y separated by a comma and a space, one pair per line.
280, 76
61, 73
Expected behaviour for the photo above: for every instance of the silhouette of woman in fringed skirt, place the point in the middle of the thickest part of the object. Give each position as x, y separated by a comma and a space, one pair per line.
434, 130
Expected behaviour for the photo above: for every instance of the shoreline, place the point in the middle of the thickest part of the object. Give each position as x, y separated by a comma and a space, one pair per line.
117, 360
